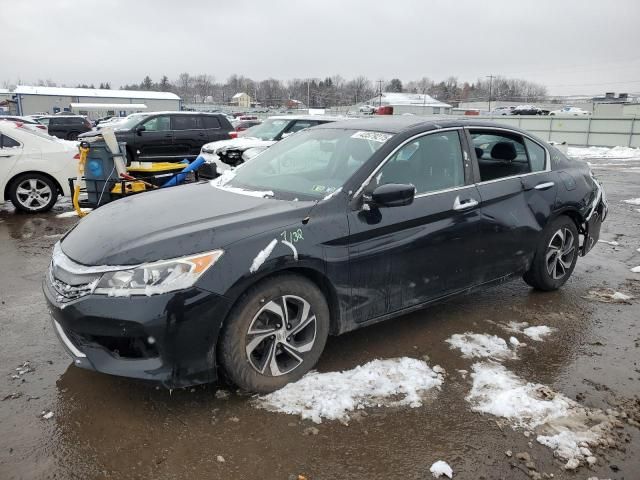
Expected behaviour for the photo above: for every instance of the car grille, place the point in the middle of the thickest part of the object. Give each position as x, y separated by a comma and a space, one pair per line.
68, 284
68, 292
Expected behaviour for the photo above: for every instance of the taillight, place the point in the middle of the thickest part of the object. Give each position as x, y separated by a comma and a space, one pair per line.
233, 134
76, 156
87, 123
41, 127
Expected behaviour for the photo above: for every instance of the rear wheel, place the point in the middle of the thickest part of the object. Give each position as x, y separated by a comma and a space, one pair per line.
555, 257
275, 334
33, 193
72, 136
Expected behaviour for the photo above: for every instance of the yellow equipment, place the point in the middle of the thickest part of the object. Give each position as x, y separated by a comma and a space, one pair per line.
84, 151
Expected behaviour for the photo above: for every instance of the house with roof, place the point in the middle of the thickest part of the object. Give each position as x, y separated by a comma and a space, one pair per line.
413, 103
241, 99
91, 101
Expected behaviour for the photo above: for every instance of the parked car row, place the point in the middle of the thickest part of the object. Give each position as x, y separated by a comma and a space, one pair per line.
336, 227
533, 110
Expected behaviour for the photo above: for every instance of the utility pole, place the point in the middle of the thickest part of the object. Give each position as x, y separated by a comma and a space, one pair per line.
490, 77
379, 93
308, 94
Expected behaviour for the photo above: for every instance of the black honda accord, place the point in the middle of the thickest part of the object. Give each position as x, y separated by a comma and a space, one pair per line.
332, 229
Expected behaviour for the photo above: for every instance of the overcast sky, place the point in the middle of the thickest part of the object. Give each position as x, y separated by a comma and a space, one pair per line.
572, 46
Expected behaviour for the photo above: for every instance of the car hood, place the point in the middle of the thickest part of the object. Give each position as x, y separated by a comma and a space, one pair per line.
174, 222
240, 144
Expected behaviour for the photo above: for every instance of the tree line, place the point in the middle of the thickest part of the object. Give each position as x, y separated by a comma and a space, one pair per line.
334, 90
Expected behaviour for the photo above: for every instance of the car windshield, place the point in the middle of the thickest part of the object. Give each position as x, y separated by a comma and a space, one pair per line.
131, 121
267, 130
308, 165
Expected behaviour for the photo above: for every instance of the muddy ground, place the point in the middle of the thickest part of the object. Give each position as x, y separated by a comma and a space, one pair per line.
105, 427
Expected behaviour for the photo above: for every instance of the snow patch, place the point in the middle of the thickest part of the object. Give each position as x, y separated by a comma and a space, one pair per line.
332, 395
262, 256
535, 333
481, 345
612, 243
561, 423
604, 152
441, 468
72, 213
632, 201
636, 269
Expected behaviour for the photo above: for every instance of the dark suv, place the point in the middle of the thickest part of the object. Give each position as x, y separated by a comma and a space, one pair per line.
66, 126
171, 135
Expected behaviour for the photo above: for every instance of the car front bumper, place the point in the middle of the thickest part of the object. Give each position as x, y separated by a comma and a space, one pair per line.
169, 338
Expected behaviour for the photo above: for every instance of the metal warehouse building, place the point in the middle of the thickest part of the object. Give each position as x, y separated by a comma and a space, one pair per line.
91, 102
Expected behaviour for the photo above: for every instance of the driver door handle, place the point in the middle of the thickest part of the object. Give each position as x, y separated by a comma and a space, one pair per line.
464, 204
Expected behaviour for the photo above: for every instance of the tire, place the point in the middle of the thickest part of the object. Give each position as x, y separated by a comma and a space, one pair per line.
33, 193
247, 358
72, 135
556, 255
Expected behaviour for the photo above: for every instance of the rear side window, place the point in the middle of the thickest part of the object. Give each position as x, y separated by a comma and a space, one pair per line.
8, 142
537, 157
430, 163
186, 122
44, 121
301, 125
499, 154
211, 122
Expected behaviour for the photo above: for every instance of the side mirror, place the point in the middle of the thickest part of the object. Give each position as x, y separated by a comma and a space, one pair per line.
392, 195
140, 129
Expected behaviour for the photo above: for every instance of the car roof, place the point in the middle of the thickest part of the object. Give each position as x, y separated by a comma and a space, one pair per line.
400, 123
325, 118
178, 112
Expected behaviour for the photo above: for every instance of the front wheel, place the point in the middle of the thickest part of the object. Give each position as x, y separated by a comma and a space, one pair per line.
556, 255
33, 193
275, 334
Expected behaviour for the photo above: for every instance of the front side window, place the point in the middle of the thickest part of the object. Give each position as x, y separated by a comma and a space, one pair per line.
500, 154
430, 163
157, 124
301, 125
311, 164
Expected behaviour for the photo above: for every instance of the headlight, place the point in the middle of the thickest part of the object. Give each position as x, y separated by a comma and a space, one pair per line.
157, 277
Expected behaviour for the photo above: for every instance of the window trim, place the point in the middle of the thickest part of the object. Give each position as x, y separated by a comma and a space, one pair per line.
524, 135
367, 180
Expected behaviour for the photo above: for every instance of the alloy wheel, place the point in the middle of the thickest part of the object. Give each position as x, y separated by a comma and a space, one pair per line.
33, 193
560, 253
280, 334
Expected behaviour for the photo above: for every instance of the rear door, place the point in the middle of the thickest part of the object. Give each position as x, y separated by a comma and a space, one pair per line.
517, 192
57, 128
155, 142
189, 135
405, 256
10, 151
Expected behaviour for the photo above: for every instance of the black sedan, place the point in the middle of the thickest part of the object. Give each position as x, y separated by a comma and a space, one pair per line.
334, 228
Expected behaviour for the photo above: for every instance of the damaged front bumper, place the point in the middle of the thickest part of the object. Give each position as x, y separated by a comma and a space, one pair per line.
168, 338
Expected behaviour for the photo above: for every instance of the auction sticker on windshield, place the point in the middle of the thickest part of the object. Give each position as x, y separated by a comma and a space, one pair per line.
373, 136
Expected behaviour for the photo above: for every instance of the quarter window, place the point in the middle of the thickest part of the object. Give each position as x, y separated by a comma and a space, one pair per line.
433, 162
8, 142
211, 122
537, 157
157, 124
500, 154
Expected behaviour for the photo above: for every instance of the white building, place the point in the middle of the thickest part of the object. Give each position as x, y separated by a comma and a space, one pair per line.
241, 99
99, 102
415, 103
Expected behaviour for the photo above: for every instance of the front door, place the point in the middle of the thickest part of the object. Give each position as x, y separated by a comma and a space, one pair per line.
517, 193
408, 255
155, 142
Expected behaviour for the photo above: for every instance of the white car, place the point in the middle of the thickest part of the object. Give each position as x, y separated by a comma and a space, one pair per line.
226, 154
34, 167
573, 111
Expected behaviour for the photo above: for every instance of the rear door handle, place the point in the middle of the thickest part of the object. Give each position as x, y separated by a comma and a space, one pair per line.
544, 186
168, 136
464, 204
